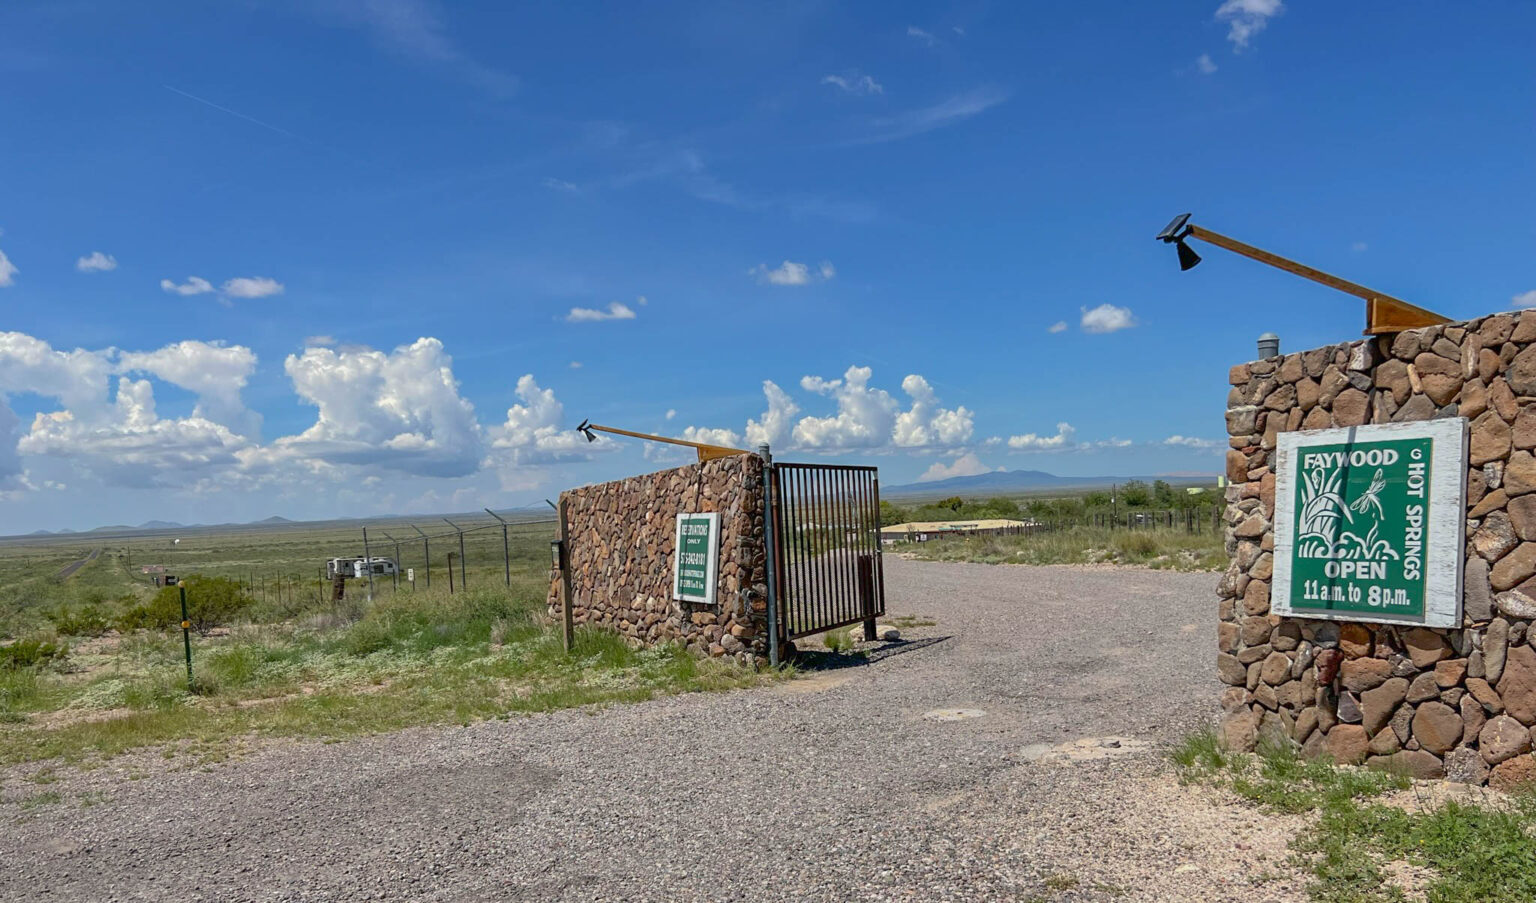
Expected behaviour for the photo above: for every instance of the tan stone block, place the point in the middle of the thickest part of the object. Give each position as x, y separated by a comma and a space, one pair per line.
1349, 408
1355, 640
1490, 501
1436, 726
1347, 744
1496, 330
1425, 647
1360, 674
1473, 401
1517, 686
1490, 439
1449, 673
1502, 400
1517, 774
1514, 567
1256, 597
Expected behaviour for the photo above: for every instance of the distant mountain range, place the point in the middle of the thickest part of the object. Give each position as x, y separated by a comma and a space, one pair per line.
162, 525
999, 481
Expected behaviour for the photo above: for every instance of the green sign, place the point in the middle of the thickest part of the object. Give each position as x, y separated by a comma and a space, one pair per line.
695, 558
1369, 523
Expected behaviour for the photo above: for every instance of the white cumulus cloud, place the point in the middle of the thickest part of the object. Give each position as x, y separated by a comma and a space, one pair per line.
777, 423
967, 465
215, 372
1107, 318
926, 425
8, 271
96, 262
399, 410
1205, 64
1525, 299
615, 311
1246, 18
251, 287
1035, 442
535, 432
195, 285
1058, 327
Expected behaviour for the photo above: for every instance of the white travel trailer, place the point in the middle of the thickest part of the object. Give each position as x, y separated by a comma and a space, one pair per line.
359, 568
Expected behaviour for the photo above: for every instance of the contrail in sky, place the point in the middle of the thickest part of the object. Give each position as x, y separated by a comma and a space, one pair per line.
250, 119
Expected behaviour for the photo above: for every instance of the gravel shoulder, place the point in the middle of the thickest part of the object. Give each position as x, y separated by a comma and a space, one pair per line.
833, 787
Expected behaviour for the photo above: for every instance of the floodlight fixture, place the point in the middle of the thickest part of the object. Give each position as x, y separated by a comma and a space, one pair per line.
1175, 233
1383, 313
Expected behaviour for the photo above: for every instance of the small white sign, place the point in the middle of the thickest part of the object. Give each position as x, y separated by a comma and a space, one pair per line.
695, 557
410, 574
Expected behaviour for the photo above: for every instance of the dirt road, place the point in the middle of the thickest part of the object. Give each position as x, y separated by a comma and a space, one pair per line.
1008, 753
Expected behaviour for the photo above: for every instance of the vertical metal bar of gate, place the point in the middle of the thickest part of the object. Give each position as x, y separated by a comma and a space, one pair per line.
824, 561
874, 485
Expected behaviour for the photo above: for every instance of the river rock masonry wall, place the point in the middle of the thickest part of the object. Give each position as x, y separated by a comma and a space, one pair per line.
1457, 703
620, 555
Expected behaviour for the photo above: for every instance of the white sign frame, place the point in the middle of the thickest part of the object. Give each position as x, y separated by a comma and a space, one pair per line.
1445, 551
712, 565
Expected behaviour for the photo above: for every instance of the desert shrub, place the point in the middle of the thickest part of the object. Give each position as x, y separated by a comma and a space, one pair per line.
211, 602
86, 621
31, 653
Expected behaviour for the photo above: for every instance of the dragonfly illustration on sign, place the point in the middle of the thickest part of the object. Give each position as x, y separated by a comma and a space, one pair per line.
1324, 511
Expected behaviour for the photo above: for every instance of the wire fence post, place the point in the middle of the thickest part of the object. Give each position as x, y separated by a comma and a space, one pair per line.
463, 576
426, 548
506, 553
396, 587
368, 563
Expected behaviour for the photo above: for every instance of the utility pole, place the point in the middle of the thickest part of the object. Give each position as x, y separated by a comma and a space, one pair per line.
463, 577
506, 554
426, 547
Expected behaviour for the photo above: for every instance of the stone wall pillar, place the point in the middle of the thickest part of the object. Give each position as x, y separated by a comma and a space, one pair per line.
1459, 703
621, 537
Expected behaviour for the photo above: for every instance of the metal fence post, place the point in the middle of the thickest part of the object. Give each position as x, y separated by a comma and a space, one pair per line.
463, 576
567, 603
770, 530
367, 562
426, 552
186, 634
506, 554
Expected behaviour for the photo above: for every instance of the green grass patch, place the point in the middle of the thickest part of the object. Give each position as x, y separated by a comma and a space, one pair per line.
1467, 853
1154, 547
407, 660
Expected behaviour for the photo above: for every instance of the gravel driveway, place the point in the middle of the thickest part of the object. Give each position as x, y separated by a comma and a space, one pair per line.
835, 787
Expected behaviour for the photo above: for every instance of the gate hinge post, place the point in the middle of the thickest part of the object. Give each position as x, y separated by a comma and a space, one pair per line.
770, 555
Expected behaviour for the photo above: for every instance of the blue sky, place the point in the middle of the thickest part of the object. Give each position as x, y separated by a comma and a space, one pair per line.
362, 257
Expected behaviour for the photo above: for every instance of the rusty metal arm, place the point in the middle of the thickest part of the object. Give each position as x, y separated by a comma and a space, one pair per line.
1383, 313
706, 451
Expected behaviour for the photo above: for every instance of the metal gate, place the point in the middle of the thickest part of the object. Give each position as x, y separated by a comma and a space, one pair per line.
826, 548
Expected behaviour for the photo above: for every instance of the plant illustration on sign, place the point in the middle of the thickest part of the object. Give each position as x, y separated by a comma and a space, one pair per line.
1324, 510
